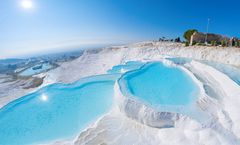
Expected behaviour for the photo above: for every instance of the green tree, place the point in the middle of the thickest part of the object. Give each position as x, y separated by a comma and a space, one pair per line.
223, 43
187, 35
214, 43
238, 43
186, 43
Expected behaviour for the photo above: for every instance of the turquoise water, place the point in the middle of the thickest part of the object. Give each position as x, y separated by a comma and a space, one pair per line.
157, 84
179, 60
30, 71
128, 66
231, 71
62, 111
56, 112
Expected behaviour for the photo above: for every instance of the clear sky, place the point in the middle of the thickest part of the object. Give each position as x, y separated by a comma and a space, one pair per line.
51, 25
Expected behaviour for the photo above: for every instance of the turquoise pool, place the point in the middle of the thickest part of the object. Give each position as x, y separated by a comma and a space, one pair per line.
157, 84
128, 66
62, 111
231, 71
30, 71
56, 112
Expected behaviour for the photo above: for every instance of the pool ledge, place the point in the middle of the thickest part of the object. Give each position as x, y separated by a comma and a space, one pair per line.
160, 116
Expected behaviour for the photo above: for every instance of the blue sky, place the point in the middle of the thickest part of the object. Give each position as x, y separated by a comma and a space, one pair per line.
52, 25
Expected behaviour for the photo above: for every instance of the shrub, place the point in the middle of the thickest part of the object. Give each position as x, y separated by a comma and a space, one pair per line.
238, 43
187, 35
194, 43
213, 43
223, 43
186, 43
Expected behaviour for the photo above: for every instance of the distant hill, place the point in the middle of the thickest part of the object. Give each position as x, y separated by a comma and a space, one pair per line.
10, 64
11, 61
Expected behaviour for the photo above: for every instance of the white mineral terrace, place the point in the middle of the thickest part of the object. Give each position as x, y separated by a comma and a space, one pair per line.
221, 99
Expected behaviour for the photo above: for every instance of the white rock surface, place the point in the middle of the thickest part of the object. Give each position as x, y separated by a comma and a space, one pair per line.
117, 129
